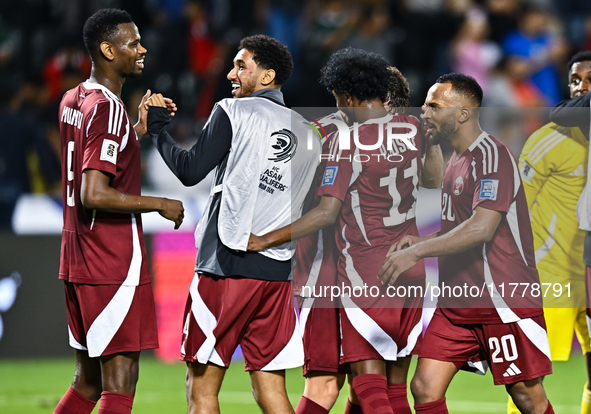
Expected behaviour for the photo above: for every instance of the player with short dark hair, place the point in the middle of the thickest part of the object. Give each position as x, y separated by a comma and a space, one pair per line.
465, 86
264, 169
368, 214
103, 262
485, 242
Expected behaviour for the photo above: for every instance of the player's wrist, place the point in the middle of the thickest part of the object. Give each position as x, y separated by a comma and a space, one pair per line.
141, 129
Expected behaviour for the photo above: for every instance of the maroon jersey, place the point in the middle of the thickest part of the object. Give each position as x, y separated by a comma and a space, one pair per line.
378, 188
99, 247
486, 175
316, 254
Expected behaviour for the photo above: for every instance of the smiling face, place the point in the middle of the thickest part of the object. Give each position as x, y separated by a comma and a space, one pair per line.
439, 113
245, 75
579, 78
128, 53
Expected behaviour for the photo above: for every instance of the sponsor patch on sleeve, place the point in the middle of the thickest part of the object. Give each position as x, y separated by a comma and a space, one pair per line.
109, 151
488, 189
527, 172
330, 174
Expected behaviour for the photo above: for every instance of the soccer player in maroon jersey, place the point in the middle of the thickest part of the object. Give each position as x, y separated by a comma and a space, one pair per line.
372, 203
103, 262
485, 243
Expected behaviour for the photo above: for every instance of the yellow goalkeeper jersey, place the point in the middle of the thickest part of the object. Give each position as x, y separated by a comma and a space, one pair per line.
553, 166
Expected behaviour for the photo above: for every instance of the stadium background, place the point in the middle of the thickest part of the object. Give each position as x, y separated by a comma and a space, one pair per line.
190, 47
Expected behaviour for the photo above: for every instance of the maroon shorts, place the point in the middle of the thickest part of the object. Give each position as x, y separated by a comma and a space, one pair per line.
516, 351
109, 319
222, 313
380, 333
322, 336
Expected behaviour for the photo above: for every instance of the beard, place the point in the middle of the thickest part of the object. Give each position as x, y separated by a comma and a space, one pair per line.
446, 130
246, 89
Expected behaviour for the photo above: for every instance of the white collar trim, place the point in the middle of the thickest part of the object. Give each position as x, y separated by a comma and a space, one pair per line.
92, 85
478, 140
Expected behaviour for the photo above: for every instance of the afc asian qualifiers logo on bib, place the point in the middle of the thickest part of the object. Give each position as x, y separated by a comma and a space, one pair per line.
285, 145
459, 186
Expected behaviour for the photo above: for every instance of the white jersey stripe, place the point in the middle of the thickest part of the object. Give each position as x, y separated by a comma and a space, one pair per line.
370, 330
207, 322
316, 264
106, 325
111, 103
536, 334
74, 343
292, 355
489, 154
548, 243
411, 340
554, 143
495, 153
512, 219
544, 140
304, 313
91, 118
505, 313
484, 166
116, 118
352, 274
119, 119
516, 174
547, 142
513, 222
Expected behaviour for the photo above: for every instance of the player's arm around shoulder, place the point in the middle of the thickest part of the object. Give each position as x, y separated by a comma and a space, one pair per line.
97, 194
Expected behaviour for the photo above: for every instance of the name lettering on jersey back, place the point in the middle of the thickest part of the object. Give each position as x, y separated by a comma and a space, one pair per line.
271, 180
72, 116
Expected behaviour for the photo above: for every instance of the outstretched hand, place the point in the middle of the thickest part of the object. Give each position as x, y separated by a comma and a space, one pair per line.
141, 127
158, 100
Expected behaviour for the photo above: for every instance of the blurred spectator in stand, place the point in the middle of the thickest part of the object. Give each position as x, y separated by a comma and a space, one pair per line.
428, 26
540, 50
72, 57
328, 24
472, 53
27, 163
284, 23
372, 33
587, 37
502, 18
510, 94
205, 57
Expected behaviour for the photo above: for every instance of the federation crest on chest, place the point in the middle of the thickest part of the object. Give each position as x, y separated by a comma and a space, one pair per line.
458, 186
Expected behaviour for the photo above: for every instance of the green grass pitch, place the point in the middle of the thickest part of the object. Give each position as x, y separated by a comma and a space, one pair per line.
35, 386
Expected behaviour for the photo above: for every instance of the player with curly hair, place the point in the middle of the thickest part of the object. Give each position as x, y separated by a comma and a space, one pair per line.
370, 196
